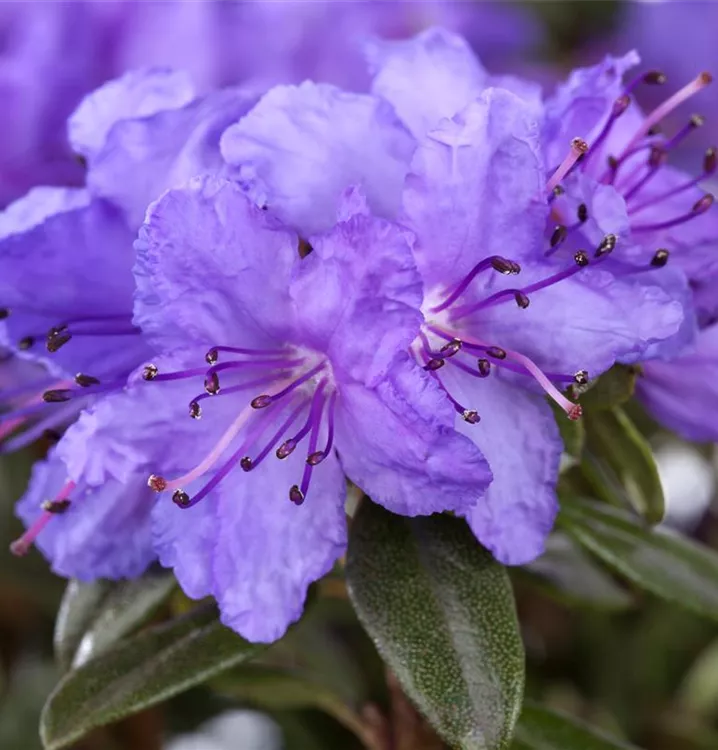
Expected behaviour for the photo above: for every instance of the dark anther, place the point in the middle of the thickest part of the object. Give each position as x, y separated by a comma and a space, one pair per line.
581, 259
522, 300
211, 357
703, 204
304, 248
620, 105
26, 343
582, 213
316, 458
471, 417
246, 463
85, 381
608, 244
515, 267
484, 367
581, 377
706, 77
612, 162
57, 338
657, 157
181, 498
697, 121
57, 396
710, 160
448, 350
559, 235
56, 506
261, 402
195, 410
434, 364
156, 483
211, 384
496, 352
578, 144
502, 265
4, 313
558, 190
149, 372
286, 448
660, 258
654, 78
296, 495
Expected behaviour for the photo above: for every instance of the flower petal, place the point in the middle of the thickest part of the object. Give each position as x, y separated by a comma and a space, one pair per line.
208, 259
520, 439
302, 146
475, 188
397, 443
139, 93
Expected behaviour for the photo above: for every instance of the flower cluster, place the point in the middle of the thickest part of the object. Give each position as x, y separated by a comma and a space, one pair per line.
255, 298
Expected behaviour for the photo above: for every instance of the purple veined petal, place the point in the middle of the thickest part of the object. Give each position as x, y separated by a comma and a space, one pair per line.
275, 149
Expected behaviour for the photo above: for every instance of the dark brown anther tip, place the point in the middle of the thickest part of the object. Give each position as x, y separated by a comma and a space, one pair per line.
57, 506
296, 495
156, 483
180, 498
149, 372
581, 259
660, 258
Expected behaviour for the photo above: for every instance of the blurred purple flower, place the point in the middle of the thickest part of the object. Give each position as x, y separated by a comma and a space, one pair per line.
53, 53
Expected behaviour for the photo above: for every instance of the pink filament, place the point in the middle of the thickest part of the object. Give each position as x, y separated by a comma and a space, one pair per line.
578, 149
21, 545
698, 83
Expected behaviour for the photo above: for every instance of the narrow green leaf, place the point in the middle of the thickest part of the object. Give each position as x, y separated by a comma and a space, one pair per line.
541, 729
567, 574
139, 672
664, 563
620, 466
612, 389
442, 614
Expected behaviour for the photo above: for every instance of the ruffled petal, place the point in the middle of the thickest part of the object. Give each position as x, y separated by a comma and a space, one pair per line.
397, 443
302, 146
139, 93
143, 156
427, 78
520, 439
357, 297
211, 268
475, 189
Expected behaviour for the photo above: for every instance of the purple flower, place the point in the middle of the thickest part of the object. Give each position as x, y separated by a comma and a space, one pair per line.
66, 254
506, 318
306, 378
75, 47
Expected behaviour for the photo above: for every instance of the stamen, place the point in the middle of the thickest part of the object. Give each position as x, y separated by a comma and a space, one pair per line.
660, 258
579, 147
151, 372
85, 381
318, 456
261, 402
689, 90
26, 343
620, 105
22, 545
248, 463
213, 354
159, 484
502, 265
606, 246
582, 213
195, 409
699, 207
288, 446
311, 460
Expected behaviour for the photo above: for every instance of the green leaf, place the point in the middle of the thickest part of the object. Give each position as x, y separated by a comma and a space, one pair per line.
94, 616
612, 389
619, 465
573, 431
567, 574
139, 672
541, 729
699, 691
664, 563
442, 614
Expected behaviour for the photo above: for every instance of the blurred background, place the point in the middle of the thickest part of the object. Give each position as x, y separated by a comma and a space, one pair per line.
648, 673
